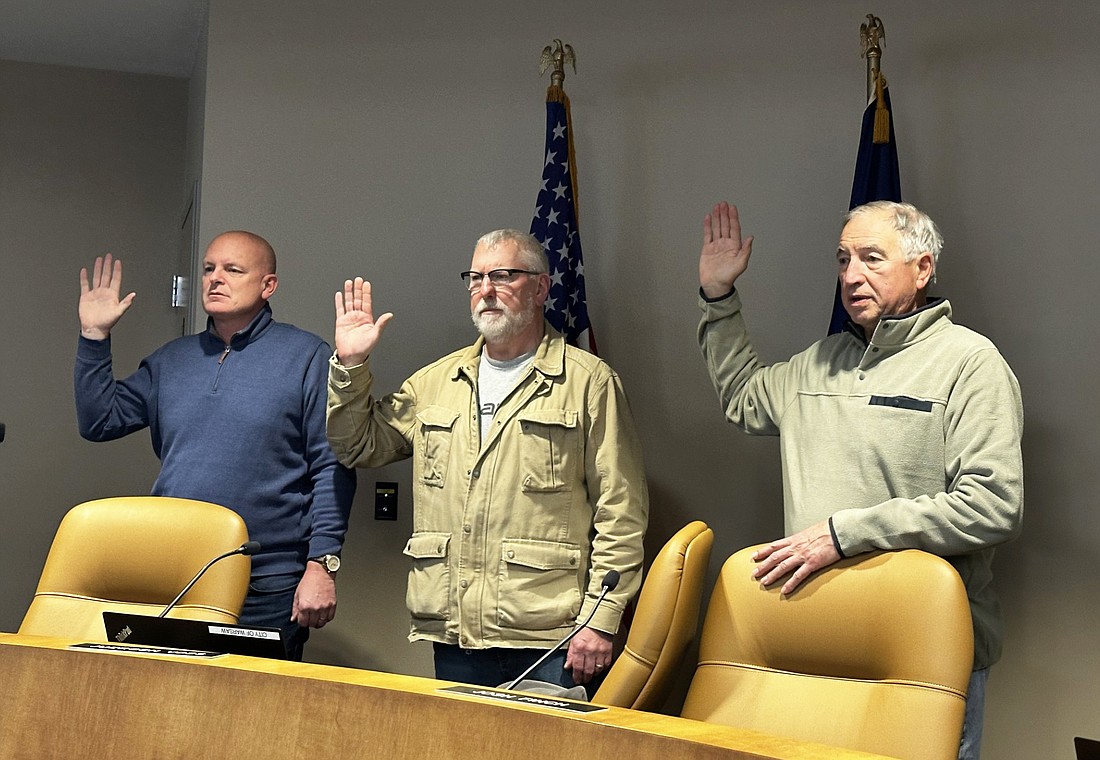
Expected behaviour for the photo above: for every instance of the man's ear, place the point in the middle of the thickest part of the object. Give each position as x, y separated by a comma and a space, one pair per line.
271, 284
543, 291
926, 267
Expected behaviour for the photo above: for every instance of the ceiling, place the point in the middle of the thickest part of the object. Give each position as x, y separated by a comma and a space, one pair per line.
139, 36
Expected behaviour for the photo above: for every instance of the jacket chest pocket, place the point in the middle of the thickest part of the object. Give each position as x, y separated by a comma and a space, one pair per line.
432, 445
550, 448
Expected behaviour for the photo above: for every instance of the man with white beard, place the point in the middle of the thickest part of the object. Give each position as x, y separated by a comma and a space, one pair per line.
527, 473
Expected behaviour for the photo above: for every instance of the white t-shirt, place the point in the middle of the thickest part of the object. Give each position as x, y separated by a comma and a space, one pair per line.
495, 381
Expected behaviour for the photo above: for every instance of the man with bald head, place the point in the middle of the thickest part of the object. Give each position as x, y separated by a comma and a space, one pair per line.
237, 418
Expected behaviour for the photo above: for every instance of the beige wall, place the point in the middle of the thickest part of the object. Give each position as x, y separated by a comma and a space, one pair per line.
382, 138
90, 162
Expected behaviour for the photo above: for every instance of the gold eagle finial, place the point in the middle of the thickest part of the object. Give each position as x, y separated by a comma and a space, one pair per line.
871, 34
557, 55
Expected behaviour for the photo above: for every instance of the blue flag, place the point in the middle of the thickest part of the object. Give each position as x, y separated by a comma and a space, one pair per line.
877, 179
555, 226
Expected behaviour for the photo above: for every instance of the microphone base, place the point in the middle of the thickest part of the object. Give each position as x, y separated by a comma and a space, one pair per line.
531, 686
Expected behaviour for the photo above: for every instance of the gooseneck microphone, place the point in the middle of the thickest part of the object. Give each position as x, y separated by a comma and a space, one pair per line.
248, 548
610, 581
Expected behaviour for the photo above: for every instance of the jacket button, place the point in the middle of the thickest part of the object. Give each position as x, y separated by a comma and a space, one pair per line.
466, 528
464, 583
511, 555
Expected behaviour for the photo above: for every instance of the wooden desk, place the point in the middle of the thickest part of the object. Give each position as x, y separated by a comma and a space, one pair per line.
57, 702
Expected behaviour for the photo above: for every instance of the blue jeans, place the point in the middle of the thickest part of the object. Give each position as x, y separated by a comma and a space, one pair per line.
971, 745
496, 667
268, 604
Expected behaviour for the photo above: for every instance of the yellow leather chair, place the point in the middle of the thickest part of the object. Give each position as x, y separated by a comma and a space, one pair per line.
135, 554
873, 653
664, 625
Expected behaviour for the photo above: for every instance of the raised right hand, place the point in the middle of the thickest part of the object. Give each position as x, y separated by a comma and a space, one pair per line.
100, 307
724, 257
357, 331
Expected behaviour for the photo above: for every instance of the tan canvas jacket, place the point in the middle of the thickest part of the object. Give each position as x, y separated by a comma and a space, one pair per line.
511, 538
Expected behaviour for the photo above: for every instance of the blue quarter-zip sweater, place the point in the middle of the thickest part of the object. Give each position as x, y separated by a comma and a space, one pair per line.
241, 425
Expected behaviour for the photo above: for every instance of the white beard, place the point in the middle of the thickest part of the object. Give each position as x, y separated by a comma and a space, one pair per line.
507, 324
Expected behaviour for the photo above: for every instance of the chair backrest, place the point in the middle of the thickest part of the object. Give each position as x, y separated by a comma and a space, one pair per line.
134, 554
665, 622
873, 654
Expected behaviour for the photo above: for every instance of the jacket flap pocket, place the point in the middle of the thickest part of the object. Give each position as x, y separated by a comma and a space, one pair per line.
427, 545
437, 416
541, 555
560, 417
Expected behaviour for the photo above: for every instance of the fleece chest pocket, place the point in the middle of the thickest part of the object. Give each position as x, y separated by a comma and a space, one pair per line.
903, 430
432, 446
550, 447
539, 585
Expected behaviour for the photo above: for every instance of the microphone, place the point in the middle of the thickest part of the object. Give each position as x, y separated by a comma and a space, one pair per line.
248, 548
610, 581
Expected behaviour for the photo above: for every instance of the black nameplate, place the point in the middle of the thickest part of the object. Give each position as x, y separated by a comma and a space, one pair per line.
135, 649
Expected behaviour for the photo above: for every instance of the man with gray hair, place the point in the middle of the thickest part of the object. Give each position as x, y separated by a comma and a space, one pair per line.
527, 476
903, 431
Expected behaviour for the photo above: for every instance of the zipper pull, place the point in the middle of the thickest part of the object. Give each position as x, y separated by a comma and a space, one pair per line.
225, 353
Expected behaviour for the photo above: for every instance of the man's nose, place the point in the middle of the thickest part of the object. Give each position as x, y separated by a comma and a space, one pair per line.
852, 272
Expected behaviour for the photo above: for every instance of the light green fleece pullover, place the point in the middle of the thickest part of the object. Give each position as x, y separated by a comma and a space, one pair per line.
909, 441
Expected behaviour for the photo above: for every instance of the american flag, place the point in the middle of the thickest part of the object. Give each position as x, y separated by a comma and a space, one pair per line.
555, 226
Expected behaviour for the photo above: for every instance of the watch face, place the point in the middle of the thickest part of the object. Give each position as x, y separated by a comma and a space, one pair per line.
332, 562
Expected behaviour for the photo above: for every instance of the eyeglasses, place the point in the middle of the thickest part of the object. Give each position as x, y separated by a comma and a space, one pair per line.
499, 278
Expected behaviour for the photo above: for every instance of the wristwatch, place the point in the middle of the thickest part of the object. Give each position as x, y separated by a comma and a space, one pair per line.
331, 562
